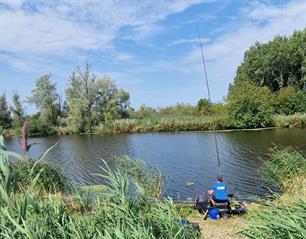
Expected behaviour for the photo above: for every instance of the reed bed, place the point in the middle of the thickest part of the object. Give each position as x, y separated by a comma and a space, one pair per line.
163, 124
290, 121
284, 217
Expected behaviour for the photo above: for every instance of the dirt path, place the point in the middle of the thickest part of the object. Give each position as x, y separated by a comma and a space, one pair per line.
220, 229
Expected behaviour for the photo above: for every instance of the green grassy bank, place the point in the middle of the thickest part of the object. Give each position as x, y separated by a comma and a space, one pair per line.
166, 124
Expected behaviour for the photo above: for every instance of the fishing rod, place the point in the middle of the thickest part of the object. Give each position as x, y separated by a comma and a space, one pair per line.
208, 91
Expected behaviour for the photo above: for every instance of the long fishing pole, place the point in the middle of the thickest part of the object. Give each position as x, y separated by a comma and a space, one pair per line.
208, 91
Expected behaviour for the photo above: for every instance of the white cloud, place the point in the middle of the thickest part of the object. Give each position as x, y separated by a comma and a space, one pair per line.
41, 27
188, 41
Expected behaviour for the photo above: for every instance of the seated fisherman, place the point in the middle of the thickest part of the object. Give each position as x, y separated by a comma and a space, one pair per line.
218, 192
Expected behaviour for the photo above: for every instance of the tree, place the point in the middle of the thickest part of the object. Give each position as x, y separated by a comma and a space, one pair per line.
93, 100
17, 111
44, 97
204, 107
250, 106
5, 114
276, 64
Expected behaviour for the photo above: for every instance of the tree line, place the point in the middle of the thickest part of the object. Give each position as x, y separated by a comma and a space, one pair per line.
90, 101
269, 81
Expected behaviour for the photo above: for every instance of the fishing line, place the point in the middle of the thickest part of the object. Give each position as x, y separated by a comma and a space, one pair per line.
208, 91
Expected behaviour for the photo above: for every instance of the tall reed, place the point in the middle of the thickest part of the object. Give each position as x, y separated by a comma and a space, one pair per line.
284, 217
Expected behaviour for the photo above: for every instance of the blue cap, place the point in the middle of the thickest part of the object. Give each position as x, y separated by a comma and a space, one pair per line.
219, 178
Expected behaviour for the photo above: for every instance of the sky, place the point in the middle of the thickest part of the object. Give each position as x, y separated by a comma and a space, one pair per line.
149, 48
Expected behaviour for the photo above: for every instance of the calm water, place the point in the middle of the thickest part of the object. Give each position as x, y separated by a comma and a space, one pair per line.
183, 156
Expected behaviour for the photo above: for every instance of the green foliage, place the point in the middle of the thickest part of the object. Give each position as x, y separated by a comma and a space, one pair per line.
179, 109
149, 181
92, 101
204, 107
164, 124
21, 172
40, 128
44, 97
285, 165
286, 216
143, 112
250, 106
17, 111
276, 64
5, 114
290, 101
289, 121
284, 221
50, 178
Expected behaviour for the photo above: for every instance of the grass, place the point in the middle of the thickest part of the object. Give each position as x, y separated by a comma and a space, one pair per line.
284, 217
285, 164
148, 180
188, 123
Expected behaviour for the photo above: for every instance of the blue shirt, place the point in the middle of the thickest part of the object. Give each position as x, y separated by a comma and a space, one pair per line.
220, 191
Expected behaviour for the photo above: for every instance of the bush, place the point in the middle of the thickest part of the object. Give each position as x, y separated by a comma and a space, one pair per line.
39, 128
290, 101
250, 106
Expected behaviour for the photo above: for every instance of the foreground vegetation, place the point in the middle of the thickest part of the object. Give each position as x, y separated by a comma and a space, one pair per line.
285, 216
115, 212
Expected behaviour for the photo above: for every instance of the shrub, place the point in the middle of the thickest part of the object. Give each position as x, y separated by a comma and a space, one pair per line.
39, 128
250, 106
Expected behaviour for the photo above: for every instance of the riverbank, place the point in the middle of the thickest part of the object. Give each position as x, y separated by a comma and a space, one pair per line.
170, 124
280, 217
191, 123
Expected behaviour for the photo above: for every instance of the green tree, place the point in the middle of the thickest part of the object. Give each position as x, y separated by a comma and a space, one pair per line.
93, 100
17, 111
250, 106
204, 107
276, 64
44, 97
5, 114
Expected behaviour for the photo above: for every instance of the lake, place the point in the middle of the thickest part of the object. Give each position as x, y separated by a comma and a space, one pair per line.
188, 156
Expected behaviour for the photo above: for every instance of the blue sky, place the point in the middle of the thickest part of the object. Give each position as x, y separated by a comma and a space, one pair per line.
148, 47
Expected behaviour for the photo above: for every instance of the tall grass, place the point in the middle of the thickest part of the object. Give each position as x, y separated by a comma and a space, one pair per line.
284, 167
148, 180
51, 179
297, 120
284, 217
163, 124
